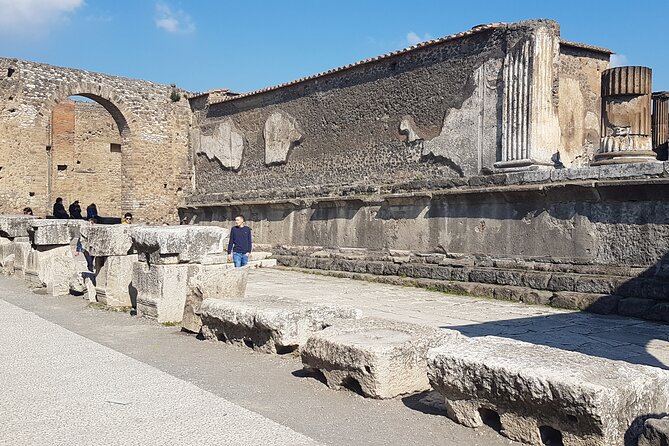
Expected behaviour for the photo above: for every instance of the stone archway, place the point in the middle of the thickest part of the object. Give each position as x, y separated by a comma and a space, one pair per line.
79, 167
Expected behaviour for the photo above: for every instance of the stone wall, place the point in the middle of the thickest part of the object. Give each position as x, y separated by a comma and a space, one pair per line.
155, 170
444, 109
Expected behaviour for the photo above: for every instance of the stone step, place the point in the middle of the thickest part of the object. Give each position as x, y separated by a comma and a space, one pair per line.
376, 357
268, 323
536, 392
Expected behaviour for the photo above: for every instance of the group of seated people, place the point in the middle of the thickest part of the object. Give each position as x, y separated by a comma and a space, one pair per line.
75, 212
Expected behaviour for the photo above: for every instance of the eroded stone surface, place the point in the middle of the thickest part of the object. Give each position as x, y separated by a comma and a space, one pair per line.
281, 135
534, 388
215, 282
55, 232
268, 323
107, 240
655, 432
385, 358
15, 225
178, 244
224, 143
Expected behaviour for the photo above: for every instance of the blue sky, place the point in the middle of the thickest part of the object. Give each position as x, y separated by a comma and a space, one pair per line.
246, 45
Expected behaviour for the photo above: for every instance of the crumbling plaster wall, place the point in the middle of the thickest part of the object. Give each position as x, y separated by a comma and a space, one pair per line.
155, 165
430, 112
349, 121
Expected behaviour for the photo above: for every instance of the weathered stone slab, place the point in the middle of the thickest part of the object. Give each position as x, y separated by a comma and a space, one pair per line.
538, 391
113, 280
380, 358
55, 232
655, 432
178, 244
108, 240
215, 282
162, 289
12, 226
268, 323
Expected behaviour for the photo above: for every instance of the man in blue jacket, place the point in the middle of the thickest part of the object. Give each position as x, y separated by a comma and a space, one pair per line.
240, 242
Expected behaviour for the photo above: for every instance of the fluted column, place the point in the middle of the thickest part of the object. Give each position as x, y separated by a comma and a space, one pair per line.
626, 100
530, 127
659, 127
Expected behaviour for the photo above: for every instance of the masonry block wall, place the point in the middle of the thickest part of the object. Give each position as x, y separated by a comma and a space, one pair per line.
155, 168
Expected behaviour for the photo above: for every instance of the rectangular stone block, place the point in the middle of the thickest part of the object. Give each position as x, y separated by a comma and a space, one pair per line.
113, 280
178, 244
537, 391
6, 249
162, 289
269, 323
12, 226
107, 240
55, 232
380, 358
212, 282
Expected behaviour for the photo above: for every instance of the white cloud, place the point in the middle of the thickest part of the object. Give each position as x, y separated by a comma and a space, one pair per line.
173, 21
413, 38
30, 17
618, 60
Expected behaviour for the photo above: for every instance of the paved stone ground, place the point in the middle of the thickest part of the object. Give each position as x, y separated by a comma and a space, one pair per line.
68, 371
73, 382
613, 337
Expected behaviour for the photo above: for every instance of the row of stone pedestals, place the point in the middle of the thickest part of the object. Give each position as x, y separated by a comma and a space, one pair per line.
154, 269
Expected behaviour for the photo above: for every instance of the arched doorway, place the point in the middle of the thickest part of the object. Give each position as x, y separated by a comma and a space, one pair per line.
87, 138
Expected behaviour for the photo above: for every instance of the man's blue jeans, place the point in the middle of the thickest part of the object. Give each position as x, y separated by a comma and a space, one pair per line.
240, 259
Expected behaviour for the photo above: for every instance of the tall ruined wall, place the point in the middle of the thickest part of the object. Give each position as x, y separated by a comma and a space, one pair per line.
86, 157
155, 167
446, 109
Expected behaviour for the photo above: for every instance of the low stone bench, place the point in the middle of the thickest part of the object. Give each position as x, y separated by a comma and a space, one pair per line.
543, 395
212, 283
375, 357
268, 323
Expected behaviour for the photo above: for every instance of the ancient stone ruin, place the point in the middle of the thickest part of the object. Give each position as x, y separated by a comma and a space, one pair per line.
503, 162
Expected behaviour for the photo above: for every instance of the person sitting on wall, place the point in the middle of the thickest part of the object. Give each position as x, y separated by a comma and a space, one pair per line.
27, 211
92, 213
59, 210
127, 219
240, 244
75, 210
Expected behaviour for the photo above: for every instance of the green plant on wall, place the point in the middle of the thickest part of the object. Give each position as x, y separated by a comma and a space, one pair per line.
174, 95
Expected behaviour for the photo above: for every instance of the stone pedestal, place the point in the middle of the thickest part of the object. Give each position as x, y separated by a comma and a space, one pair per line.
21, 249
172, 260
626, 105
162, 289
50, 267
113, 280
